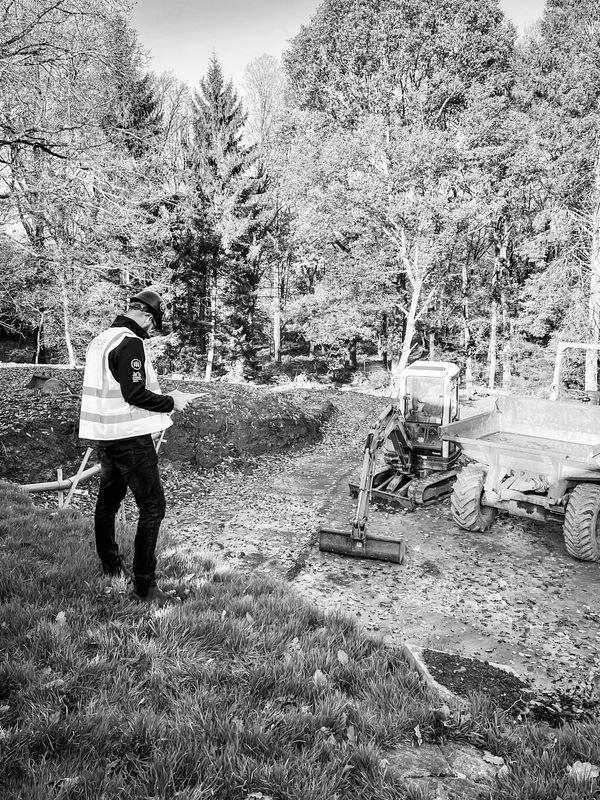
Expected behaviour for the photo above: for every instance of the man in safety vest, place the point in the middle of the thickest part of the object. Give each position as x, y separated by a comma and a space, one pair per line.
124, 411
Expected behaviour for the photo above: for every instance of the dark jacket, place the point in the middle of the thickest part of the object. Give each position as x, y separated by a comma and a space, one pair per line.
127, 362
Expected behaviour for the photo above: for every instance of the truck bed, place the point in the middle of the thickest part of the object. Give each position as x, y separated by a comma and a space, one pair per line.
522, 441
528, 429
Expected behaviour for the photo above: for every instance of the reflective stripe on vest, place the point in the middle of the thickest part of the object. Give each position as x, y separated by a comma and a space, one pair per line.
105, 415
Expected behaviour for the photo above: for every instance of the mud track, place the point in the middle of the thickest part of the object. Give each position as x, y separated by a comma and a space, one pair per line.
512, 596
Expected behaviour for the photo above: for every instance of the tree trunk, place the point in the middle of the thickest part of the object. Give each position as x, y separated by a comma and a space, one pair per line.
38, 338
409, 330
591, 358
498, 299
493, 346
351, 354
66, 324
276, 314
212, 330
507, 329
383, 340
467, 331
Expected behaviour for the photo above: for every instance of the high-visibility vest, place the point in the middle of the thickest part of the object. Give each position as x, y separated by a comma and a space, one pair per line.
105, 415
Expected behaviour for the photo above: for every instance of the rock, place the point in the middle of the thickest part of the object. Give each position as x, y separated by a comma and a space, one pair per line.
447, 789
419, 762
469, 761
450, 772
52, 386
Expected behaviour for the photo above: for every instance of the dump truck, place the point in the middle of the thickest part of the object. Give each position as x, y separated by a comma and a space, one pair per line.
532, 458
418, 466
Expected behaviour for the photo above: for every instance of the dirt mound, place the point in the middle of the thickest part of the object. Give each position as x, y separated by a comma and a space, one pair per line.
466, 675
38, 431
229, 423
233, 424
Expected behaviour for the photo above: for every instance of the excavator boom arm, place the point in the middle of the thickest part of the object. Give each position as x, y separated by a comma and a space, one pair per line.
389, 425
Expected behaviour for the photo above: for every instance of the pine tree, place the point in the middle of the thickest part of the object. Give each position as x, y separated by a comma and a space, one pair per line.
196, 247
230, 184
133, 120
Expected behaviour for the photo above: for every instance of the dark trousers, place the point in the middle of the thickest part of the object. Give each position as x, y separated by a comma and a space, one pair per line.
130, 463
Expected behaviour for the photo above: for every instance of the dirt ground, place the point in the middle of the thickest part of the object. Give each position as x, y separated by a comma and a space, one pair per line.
512, 596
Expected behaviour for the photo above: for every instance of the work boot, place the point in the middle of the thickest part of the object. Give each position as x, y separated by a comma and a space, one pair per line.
155, 596
116, 568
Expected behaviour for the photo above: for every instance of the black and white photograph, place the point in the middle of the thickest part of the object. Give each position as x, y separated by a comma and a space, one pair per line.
300, 400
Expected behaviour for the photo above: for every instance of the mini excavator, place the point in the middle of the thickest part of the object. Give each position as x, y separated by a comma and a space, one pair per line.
418, 466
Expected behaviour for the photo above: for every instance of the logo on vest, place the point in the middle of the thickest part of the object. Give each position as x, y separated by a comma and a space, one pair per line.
136, 377
136, 364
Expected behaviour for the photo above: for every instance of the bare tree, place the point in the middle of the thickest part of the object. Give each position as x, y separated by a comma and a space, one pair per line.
39, 41
263, 91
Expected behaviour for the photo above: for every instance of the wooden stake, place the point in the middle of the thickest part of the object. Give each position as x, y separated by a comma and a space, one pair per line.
59, 477
121, 519
160, 441
88, 453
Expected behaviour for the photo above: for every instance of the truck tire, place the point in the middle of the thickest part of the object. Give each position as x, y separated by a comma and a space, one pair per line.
467, 511
581, 528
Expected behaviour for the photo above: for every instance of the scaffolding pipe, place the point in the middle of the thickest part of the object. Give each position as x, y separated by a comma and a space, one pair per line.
55, 486
80, 477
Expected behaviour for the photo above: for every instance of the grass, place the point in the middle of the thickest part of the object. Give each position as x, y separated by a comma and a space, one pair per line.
243, 691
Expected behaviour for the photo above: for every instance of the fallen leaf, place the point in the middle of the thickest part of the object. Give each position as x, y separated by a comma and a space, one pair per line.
259, 796
490, 759
443, 712
55, 684
66, 783
319, 678
418, 736
342, 657
61, 618
583, 771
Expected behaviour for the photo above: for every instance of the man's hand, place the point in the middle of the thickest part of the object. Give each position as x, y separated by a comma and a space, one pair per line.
181, 399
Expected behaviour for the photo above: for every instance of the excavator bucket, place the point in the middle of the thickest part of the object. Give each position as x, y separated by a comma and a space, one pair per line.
381, 548
356, 542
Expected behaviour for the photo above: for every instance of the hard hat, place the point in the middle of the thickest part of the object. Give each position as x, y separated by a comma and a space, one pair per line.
154, 302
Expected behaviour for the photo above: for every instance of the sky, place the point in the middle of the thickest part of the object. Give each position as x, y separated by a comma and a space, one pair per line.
181, 35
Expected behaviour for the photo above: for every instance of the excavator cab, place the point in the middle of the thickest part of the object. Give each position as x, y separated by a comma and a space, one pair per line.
428, 395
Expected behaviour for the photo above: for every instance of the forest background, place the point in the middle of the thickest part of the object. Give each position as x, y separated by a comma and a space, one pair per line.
410, 173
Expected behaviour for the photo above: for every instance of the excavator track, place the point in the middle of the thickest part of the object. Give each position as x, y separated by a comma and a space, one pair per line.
424, 491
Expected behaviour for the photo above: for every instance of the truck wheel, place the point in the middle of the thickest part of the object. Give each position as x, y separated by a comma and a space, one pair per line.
581, 528
467, 510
